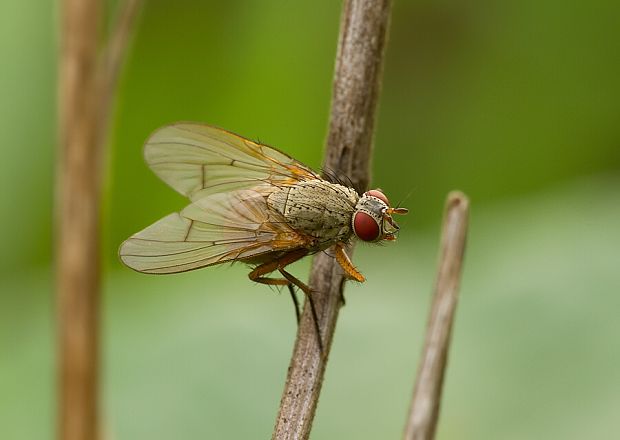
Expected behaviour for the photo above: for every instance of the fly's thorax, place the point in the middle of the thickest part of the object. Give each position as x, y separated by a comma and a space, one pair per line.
317, 208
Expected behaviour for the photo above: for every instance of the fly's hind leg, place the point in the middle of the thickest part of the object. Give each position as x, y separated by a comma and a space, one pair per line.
304, 288
291, 290
259, 274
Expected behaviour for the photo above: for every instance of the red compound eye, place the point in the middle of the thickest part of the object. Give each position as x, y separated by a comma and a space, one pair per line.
378, 194
365, 227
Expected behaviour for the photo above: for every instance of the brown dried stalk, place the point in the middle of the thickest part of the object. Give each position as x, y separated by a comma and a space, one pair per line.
363, 33
114, 56
78, 202
424, 410
84, 95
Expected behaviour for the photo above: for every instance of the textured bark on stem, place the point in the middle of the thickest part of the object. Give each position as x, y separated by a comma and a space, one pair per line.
356, 86
424, 411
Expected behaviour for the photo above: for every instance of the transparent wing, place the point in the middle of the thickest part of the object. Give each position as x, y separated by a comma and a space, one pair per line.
215, 229
198, 160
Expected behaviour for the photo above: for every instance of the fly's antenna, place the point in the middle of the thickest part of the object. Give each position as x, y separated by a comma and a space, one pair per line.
406, 197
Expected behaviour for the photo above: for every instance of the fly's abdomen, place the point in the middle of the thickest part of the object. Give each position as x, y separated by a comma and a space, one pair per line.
317, 208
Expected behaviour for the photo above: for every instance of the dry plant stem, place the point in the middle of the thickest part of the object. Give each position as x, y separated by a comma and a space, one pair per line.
113, 58
83, 104
363, 33
78, 204
424, 410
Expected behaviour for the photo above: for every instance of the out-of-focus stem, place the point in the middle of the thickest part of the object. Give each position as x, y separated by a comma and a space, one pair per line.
85, 89
424, 411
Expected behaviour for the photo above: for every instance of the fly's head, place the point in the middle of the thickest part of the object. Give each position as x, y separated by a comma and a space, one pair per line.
372, 220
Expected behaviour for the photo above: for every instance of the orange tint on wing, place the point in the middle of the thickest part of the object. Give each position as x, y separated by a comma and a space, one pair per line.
199, 160
220, 228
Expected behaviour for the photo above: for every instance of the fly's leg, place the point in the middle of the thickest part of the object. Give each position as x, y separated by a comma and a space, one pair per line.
343, 259
349, 269
258, 274
291, 290
305, 289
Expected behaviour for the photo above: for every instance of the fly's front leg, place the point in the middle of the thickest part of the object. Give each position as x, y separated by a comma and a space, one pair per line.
343, 259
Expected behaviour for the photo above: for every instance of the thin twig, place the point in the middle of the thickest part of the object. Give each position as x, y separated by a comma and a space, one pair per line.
83, 106
113, 57
424, 410
363, 33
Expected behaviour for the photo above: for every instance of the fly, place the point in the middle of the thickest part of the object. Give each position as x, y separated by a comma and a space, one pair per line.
250, 203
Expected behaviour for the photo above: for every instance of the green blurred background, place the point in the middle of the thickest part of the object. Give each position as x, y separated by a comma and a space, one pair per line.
515, 103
